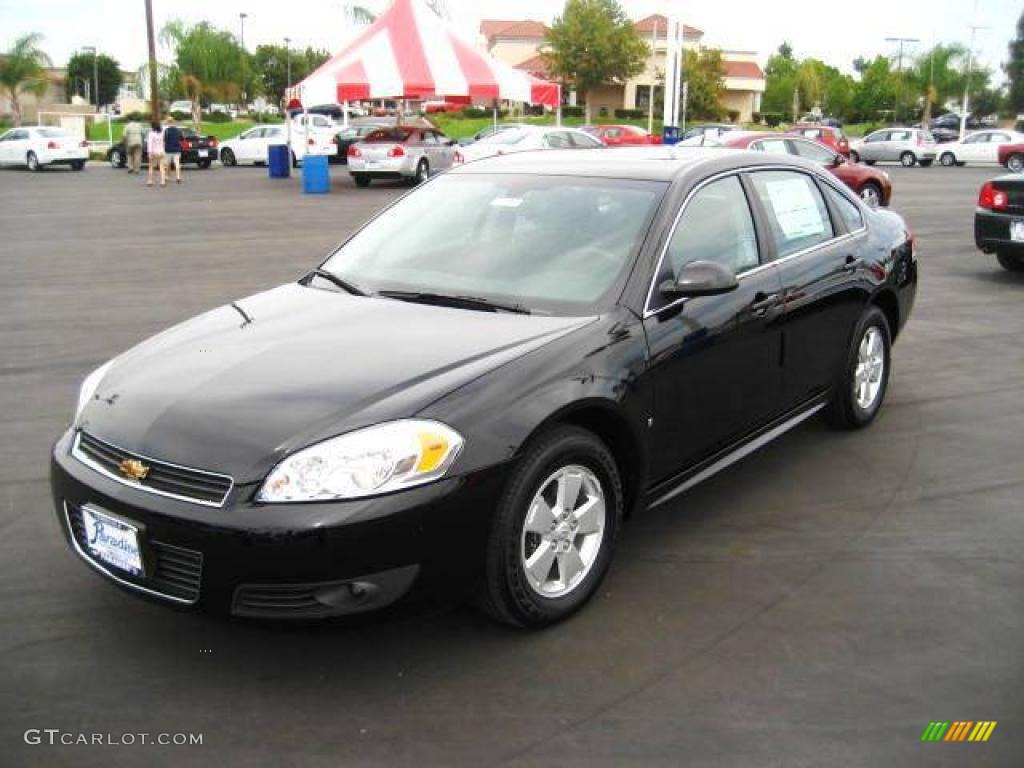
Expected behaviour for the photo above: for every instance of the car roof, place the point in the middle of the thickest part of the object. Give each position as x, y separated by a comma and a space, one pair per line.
650, 163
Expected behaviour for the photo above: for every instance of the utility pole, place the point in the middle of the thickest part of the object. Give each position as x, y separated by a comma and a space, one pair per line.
241, 88
91, 49
154, 92
964, 107
899, 71
654, 51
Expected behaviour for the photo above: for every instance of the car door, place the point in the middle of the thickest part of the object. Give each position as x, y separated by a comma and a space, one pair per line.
715, 360
873, 148
5, 143
815, 255
991, 147
973, 148
16, 147
243, 147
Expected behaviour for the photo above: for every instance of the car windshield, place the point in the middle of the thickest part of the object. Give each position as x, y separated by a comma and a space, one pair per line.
506, 137
552, 244
52, 133
388, 135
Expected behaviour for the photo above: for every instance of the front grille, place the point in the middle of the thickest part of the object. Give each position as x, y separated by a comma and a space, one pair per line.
175, 571
162, 478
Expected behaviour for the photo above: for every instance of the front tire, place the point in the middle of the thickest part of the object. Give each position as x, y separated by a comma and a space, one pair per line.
1015, 163
947, 159
554, 531
854, 157
227, 158
907, 160
860, 390
1011, 262
871, 194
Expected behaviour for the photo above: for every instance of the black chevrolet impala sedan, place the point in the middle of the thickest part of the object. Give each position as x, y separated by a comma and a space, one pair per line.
477, 387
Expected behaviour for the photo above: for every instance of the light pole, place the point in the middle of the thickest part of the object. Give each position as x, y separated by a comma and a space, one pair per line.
899, 70
95, 74
241, 90
288, 78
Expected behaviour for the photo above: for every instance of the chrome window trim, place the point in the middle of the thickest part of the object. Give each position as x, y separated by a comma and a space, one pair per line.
648, 312
78, 454
103, 570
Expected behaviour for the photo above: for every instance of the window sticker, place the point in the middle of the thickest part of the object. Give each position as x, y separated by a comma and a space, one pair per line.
795, 208
507, 202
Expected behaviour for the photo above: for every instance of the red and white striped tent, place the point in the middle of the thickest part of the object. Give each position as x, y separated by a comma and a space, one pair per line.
410, 53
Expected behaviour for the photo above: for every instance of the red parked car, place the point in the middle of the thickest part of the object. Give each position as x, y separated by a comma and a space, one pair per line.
622, 135
1012, 156
871, 184
829, 136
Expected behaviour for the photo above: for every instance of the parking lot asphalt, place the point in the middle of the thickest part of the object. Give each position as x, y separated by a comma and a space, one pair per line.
818, 604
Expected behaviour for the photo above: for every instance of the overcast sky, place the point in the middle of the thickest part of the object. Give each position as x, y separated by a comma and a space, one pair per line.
834, 32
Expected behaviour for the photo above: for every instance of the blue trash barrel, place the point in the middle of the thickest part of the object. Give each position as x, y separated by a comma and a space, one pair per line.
316, 180
670, 134
279, 161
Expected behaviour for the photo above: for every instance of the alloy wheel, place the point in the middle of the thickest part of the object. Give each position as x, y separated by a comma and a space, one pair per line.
563, 531
1015, 163
948, 160
32, 161
907, 160
868, 375
870, 195
115, 159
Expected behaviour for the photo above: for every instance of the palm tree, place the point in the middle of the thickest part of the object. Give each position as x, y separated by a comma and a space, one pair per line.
22, 70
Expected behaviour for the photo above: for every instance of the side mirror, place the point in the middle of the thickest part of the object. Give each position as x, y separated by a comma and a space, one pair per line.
700, 278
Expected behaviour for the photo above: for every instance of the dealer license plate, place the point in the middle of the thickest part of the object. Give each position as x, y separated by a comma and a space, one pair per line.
112, 541
1017, 230
203, 153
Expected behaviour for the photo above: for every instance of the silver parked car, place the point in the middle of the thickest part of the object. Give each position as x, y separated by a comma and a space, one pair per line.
400, 152
907, 146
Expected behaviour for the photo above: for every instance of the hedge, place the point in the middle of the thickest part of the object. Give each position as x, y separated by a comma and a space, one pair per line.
630, 114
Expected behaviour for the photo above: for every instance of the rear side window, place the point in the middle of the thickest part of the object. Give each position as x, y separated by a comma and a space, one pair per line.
388, 136
716, 226
773, 146
797, 215
583, 141
848, 211
558, 140
815, 152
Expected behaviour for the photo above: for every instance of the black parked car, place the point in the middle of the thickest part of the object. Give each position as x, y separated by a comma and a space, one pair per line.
946, 128
999, 220
346, 137
480, 384
195, 148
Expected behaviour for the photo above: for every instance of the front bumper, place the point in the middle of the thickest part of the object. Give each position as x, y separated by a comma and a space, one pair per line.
992, 231
285, 560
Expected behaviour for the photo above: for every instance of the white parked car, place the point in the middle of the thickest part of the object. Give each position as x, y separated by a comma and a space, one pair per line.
977, 147
526, 139
253, 146
36, 147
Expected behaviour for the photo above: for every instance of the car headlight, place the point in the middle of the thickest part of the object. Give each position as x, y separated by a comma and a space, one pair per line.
380, 459
89, 387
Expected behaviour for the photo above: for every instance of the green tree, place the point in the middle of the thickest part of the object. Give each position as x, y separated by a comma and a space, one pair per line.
780, 81
1014, 68
876, 92
704, 73
22, 70
80, 72
271, 61
936, 76
592, 43
208, 63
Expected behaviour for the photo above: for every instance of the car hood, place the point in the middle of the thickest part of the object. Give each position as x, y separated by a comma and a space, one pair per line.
235, 389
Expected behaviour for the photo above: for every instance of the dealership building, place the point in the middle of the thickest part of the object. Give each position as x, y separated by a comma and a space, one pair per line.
519, 43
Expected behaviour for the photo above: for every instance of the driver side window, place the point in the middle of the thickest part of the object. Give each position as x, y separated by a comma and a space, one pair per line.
715, 226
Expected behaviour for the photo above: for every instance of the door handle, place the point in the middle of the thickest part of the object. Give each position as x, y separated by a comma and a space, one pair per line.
763, 302
853, 263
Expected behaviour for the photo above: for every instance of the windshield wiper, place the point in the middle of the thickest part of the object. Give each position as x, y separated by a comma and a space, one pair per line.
345, 285
461, 302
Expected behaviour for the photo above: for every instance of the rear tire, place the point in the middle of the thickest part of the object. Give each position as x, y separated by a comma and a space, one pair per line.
1011, 262
861, 387
1015, 163
908, 160
947, 159
77, 165
534, 535
422, 172
204, 164
33, 162
870, 162
361, 179
116, 159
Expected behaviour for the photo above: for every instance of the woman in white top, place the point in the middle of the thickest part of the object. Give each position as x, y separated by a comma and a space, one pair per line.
155, 150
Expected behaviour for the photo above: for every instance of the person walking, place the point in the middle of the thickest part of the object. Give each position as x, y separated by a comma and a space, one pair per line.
172, 148
133, 146
155, 148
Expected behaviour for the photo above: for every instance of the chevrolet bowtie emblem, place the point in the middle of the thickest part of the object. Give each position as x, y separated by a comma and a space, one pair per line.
133, 468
